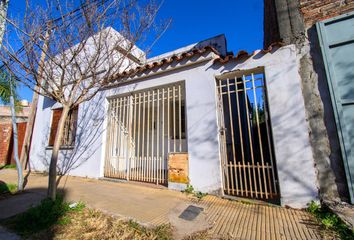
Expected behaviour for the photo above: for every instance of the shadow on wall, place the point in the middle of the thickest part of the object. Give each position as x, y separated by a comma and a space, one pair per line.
289, 135
203, 148
206, 126
87, 141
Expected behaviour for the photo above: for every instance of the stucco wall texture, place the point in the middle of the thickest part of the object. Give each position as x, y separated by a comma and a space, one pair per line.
287, 111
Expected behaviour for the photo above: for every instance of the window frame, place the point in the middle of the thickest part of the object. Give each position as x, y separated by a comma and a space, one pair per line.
72, 130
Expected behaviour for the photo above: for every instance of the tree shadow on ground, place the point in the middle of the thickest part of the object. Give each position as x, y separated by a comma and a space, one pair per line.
37, 214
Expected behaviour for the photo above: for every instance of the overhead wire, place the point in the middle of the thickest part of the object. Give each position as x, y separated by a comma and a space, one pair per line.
60, 19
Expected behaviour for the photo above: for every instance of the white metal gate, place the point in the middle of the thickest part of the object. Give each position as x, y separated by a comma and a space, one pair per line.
247, 153
143, 127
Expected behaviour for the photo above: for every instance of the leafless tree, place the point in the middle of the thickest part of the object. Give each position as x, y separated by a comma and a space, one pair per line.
69, 52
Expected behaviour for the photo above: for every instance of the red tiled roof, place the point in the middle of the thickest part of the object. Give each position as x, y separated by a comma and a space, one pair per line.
222, 59
244, 54
163, 61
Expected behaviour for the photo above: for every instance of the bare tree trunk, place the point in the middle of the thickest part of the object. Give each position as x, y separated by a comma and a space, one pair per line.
52, 185
14, 130
4, 4
77, 64
30, 123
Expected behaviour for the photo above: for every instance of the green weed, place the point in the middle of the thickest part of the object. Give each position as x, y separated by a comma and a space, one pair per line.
8, 188
136, 226
330, 220
8, 166
199, 194
163, 232
78, 206
189, 189
313, 207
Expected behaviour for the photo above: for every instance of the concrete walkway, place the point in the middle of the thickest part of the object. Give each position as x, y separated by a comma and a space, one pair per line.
150, 205
4, 234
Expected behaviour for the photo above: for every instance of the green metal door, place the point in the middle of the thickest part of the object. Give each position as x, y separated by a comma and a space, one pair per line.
336, 37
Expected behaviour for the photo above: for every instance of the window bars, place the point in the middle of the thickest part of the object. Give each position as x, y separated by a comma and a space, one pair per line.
248, 162
142, 129
70, 126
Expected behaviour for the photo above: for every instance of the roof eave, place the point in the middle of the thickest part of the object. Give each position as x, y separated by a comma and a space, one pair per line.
211, 56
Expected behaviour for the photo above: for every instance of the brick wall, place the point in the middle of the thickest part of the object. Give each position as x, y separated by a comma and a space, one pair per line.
311, 10
317, 10
6, 142
21, 131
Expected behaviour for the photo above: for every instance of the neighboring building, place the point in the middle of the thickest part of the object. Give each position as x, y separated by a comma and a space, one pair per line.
21, 115
227, 124
6, 134
323, 33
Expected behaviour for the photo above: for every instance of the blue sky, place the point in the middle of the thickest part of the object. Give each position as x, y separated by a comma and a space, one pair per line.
194, 20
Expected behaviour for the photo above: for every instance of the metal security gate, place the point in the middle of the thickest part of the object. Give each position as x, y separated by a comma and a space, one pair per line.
143, 128
336, 37
248, 162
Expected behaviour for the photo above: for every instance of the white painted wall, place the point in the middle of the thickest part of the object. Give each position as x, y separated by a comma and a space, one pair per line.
84, 159
292, 148
296, 170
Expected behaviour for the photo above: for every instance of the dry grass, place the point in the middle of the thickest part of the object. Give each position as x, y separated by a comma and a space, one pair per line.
93, 224
60, 220
202, 235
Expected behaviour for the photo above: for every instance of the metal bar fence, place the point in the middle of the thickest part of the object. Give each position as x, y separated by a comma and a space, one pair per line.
139, 138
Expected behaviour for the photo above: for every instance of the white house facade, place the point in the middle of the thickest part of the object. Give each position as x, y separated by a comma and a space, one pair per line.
234, 125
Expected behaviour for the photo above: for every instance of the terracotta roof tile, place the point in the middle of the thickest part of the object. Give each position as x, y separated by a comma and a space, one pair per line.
222, 59
244, 54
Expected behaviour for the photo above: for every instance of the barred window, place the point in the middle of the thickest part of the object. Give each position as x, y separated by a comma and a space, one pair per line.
69, 127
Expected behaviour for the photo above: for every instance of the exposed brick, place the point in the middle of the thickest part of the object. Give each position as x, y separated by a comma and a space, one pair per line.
317, 10
6, 142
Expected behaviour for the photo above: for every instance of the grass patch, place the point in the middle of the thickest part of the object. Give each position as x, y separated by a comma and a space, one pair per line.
189, 189
330, 221
61, 220
93, 224
8, 188
8, 166
201, 235
43, 216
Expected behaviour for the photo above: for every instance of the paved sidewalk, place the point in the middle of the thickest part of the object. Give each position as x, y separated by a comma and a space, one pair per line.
153, 206
4, 234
